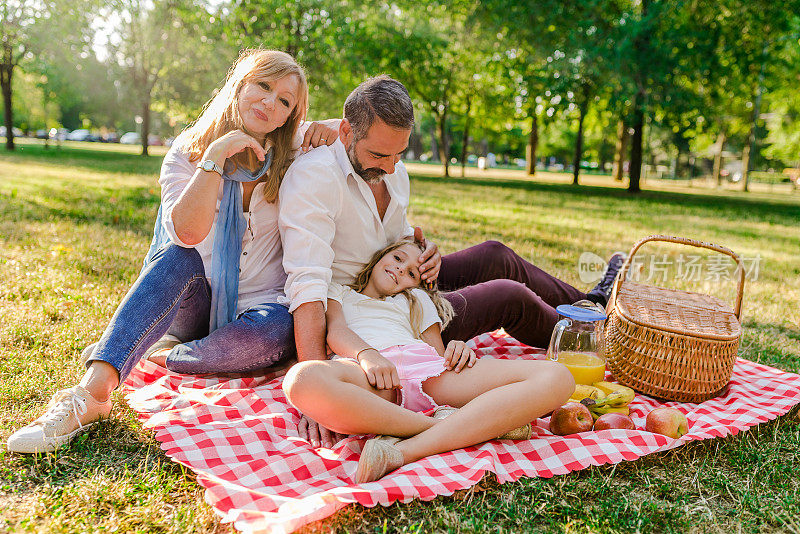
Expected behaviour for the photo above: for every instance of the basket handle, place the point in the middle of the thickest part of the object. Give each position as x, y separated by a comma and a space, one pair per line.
692, 243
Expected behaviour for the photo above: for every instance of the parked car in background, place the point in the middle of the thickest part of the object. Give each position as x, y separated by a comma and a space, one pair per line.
80, 134
42, 134
58, 134
154, 140
16, 131
110, 137
130, 138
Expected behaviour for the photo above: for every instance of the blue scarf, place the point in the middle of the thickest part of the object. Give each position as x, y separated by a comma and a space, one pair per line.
227, 250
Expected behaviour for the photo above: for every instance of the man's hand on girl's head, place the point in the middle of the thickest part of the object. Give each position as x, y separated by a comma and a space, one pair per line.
430, 260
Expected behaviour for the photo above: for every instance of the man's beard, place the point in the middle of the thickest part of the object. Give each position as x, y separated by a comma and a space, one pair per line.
373, 175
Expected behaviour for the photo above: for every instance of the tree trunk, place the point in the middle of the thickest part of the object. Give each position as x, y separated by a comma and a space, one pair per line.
635, 171
745, 166
416, 143
443, 148
748, 154
641, 46
465, 138
6, 72
145, 124
533, 144
618, 167
576, 162
434, 145
716, 173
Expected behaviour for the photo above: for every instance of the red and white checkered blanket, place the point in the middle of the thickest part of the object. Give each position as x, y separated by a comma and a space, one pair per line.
239, 436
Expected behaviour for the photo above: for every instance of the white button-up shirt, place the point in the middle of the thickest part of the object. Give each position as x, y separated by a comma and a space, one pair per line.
329, 222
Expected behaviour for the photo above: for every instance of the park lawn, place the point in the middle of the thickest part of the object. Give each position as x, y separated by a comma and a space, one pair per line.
76, 222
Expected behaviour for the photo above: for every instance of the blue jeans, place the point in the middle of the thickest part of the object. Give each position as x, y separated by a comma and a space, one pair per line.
172, 296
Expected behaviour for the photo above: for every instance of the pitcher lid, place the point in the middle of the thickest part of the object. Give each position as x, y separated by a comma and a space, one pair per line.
580, 314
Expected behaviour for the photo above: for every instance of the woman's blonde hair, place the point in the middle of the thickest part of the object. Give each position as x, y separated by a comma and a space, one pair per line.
220, 115
443, 307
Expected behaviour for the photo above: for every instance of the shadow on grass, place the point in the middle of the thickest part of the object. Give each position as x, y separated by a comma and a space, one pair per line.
770, 344
110, 447
791, 332
86, 158
776, 211
130, 208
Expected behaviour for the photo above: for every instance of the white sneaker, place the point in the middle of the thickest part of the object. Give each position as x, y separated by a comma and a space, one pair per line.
68, 412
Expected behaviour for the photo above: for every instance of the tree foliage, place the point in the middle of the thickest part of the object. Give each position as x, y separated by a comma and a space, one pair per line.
667, 81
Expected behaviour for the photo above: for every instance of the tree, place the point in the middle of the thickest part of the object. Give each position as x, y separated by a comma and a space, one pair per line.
530, 33
321, 34
30, 27
419, 45
163, 45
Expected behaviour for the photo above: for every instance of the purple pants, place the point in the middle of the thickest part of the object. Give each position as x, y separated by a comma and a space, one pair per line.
491, 287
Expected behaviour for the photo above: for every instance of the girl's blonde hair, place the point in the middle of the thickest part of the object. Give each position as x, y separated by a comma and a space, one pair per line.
220, 115
443, 307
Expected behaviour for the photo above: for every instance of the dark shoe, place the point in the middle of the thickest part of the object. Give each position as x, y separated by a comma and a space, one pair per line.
602, 291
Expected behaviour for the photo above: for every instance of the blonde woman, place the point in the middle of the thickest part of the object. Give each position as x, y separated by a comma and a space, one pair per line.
206, 299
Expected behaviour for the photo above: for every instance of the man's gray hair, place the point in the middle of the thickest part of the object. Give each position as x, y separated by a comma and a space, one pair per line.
379, 97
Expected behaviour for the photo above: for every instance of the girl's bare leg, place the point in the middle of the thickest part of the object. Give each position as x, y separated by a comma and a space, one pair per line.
337, 395
494, 396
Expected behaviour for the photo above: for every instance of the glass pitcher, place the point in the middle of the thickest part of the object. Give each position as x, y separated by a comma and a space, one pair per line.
577, 341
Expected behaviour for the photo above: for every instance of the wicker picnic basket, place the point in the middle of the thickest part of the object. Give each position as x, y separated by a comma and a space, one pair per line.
672, 344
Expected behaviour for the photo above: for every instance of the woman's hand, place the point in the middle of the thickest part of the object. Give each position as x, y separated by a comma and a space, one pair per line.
321, 133
232, 143
457, 355
381, 373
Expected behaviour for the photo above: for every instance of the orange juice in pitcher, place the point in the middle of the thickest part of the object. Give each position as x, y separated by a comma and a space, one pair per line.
577, 341
586, 368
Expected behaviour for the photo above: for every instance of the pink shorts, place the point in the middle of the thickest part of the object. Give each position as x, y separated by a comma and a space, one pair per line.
415, 364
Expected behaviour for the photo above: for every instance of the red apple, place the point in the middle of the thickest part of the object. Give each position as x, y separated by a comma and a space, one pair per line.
667, 421
614, 420
571, 418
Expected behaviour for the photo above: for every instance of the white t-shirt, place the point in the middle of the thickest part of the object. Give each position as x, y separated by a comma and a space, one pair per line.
383, 323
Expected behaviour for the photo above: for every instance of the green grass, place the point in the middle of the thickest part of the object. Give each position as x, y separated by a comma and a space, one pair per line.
75, 223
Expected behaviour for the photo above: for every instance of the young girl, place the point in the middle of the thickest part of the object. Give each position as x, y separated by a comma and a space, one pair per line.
213, 276
391, 364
